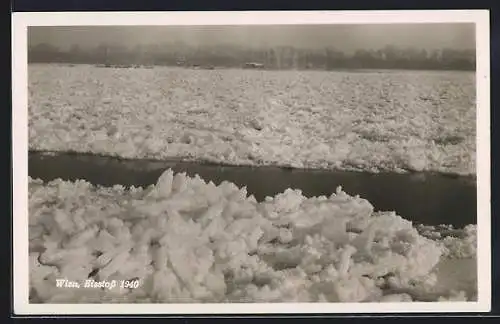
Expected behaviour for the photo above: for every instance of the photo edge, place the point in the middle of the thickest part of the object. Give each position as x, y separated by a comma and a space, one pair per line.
22, 307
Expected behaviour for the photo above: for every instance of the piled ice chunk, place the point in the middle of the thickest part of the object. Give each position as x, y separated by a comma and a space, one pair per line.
186, 240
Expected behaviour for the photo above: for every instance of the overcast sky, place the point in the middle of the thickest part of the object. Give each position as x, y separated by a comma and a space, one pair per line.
343, 37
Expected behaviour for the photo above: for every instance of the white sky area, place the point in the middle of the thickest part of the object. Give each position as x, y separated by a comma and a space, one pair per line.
346, 38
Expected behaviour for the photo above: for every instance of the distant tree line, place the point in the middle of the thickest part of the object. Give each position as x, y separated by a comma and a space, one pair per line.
285, 57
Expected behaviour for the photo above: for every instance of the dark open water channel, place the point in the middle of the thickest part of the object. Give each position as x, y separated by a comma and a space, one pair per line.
426, 198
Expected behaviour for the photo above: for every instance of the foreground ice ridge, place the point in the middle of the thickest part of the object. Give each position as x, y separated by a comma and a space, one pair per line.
191, 241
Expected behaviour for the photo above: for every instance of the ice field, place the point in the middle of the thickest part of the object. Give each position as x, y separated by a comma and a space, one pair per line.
367, 121
189, 240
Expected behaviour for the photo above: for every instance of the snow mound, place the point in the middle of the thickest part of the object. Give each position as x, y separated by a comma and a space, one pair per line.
186, 240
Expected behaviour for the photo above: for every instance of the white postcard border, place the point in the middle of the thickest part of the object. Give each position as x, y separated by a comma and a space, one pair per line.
20, 22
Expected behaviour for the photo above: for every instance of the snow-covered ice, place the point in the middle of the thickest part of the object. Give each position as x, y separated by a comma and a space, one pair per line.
370, 121
187, 240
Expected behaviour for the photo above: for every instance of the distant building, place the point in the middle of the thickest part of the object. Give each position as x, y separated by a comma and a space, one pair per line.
252, 65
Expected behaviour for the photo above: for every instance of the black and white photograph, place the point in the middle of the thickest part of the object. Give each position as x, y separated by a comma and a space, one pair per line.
272, 159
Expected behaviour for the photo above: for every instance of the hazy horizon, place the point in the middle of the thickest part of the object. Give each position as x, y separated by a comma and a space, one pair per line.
347, 38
